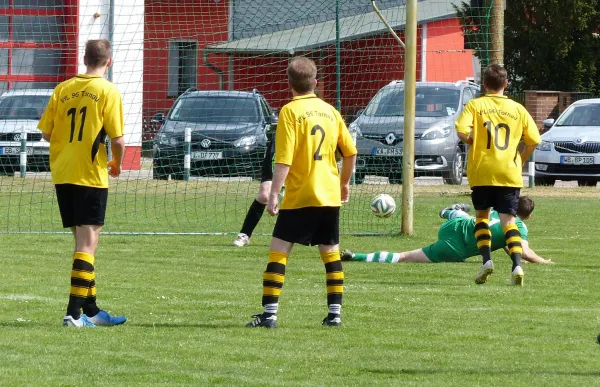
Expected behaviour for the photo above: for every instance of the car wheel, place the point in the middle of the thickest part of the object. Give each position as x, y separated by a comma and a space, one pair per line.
586, 183
455, 175
158, 171
7, 171
359, 178
544, 181
395, 178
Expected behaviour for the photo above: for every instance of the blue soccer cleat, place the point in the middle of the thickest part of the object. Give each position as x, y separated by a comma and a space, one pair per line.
105, 319
82, 322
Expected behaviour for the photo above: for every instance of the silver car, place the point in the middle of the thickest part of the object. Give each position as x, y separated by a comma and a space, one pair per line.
438, 150
570, 149
20, 112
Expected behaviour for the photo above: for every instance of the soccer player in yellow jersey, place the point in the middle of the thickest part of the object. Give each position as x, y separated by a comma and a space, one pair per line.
493, 126
81, 113
308, 133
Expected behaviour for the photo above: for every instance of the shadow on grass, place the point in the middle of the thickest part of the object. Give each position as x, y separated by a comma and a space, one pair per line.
404, 371
215, 325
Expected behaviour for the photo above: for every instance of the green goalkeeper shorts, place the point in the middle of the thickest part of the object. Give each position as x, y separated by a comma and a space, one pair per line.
450, 246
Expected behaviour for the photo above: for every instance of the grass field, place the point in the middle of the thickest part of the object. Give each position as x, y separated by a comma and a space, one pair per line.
188, 297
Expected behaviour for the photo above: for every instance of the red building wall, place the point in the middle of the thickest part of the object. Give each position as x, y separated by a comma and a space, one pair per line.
366, 64
69, 13
447, 60
205, 22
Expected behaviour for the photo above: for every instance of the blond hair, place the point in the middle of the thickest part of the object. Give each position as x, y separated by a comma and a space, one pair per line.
302, 73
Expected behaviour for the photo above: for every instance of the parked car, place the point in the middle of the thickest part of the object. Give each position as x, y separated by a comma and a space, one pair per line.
20, 112
438, 150
228, 130
570, 149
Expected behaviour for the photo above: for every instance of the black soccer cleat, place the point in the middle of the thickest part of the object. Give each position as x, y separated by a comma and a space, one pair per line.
462, 207
263, 320
346, 255
332, 321
458, 206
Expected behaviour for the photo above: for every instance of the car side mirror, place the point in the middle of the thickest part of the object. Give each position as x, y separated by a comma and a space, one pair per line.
273, 119
359, 112
158, 118
548, 123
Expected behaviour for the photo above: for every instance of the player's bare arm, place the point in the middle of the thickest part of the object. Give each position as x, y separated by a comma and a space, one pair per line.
279, 175
526, 153
529, 255
465, 138
118, 149
348, 164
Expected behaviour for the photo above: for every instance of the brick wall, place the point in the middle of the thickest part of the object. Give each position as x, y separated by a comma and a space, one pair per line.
542, 105
549, 104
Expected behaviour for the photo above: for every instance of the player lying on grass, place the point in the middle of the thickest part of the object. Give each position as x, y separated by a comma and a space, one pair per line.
456, 239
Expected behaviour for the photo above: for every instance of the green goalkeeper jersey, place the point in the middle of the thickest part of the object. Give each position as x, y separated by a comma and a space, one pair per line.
498, 240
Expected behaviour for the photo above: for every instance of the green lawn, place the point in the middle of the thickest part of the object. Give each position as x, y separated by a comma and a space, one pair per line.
188, 297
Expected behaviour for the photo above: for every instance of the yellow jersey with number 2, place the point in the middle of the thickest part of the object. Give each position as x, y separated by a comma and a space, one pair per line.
81, 113
497, 124
308, 133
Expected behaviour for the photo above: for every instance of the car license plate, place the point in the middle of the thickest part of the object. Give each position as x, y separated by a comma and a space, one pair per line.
13, 151
387, 151
207, 155
577, 160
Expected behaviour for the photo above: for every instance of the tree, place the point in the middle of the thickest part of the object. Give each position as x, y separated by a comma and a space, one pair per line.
548, 44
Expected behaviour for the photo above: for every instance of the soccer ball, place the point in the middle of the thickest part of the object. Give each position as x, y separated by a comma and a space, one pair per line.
383, 205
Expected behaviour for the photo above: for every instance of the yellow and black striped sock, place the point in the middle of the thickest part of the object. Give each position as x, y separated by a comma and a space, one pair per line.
273, 279
483, 235
89, 307
513, 242
82, 283
335, 282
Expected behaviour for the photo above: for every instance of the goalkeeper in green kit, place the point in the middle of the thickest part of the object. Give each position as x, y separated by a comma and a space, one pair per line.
456, 239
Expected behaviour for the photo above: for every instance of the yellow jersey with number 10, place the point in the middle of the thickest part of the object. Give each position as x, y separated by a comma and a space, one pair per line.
81, 113
497, 124
308, 133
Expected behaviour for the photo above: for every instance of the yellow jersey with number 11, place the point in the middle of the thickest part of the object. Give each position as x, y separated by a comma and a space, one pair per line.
81, 113
497, 124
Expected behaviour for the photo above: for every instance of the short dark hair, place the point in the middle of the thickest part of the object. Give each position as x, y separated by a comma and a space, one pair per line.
526, 206
302, 73
494, 77
97, 52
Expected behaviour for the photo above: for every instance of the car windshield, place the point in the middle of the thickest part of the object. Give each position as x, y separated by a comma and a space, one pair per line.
430, 102
23, 107
215, 110
581, 115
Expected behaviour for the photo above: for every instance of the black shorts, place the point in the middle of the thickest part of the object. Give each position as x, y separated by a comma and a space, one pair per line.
505, 200
80, 205
309, 226
266, 172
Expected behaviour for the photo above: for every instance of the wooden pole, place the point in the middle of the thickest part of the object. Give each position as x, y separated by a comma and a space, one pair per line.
410, 90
